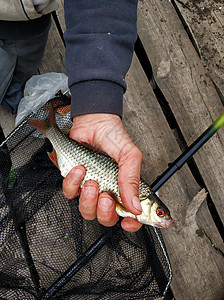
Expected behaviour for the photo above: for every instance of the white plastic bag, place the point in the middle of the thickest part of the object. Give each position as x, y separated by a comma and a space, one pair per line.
38, 90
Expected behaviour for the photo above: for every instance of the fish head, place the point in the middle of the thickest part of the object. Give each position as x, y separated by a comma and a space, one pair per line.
154, 212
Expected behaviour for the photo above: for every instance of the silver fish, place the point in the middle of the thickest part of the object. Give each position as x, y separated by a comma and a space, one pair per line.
68, 153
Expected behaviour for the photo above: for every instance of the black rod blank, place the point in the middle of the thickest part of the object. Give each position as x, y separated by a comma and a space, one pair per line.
81, 261
188, 153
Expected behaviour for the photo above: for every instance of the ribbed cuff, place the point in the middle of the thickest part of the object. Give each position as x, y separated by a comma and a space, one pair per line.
96, 97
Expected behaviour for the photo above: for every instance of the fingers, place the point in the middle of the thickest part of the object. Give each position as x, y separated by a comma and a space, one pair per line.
91, 204
130, 225
106, 213
71, 183
88, 200
128, 179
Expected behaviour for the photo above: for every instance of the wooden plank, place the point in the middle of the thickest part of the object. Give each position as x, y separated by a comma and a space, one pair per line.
7, 121
183, 80
61, 17
188, 243
205, 20
53, 60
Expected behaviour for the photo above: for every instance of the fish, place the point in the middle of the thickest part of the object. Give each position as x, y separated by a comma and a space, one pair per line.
61, 103
68, 153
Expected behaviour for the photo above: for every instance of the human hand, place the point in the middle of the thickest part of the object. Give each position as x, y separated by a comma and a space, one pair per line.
106, 133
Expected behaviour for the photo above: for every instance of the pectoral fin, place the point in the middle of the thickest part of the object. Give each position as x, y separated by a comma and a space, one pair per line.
123, 212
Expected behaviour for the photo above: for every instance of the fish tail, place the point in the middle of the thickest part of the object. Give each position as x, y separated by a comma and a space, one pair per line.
44, 126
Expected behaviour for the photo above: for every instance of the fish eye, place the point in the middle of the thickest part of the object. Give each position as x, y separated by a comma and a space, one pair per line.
160, 212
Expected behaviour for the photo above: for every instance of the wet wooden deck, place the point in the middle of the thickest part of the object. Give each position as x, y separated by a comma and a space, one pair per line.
175, 91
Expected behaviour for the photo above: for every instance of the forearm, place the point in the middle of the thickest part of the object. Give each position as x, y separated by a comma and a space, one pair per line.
99, 38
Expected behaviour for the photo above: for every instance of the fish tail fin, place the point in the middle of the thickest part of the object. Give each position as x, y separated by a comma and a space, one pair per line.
44, 126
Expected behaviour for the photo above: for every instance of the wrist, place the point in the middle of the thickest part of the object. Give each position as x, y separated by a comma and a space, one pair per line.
95, 120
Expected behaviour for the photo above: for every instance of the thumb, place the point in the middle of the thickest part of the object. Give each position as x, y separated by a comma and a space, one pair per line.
128, 179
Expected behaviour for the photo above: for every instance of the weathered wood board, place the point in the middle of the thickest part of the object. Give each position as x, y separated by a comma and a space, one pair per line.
185, 84
7, 121
189, 247
183, 80
205, 20
53, 60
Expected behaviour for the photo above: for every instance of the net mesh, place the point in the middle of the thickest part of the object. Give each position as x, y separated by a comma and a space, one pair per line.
42, 233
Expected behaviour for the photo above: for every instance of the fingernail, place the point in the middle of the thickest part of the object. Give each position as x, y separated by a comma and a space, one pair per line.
136, 203
90, 191
77, 174
105, 203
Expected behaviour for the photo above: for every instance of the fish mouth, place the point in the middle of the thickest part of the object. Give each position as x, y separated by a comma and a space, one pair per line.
169, 223
166, 224
158, 226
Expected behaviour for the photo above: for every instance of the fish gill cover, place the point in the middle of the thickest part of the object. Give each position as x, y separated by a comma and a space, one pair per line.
42, 233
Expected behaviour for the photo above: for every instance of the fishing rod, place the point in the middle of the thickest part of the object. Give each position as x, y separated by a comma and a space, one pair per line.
188, 153
170, 171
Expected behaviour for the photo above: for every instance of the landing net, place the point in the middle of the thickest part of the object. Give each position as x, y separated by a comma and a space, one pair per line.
42, 233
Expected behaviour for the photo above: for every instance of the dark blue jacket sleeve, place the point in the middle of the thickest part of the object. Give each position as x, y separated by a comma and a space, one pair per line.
100, 36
